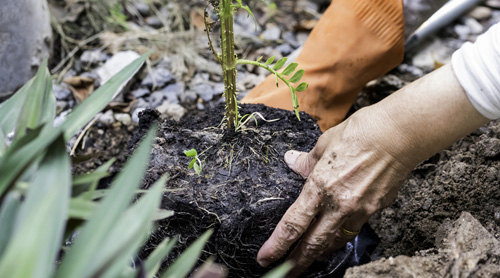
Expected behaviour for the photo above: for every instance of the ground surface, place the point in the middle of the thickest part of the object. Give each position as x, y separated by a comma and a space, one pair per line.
464, 177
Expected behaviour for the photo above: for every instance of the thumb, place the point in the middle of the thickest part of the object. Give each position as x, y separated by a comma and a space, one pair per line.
300, 162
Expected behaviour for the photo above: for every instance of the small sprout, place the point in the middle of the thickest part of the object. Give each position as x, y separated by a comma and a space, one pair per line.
195, 162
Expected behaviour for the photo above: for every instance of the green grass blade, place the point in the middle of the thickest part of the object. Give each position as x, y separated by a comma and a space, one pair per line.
39, 106
183, 265
129, 233
8, 214
81, 255
80, 208
280, 271
39, 227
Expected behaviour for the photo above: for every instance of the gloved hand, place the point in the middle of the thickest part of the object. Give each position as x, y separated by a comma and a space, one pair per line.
355, 41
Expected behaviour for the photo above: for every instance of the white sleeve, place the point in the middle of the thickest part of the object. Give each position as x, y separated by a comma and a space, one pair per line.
477, 68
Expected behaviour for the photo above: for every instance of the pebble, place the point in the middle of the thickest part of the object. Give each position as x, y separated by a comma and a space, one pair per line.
176, 88
114, 65
142, 8
61, 106
271, 33
171, 110
154, 22
495, 4
285, 49
290, 38
124, 118
475, 27
156, 98
200, 106
205, 91
188, 96
302, 37
107, 118
481, 13
61, 91
161, 77
437, 50
93, 56
137, 93
141, 103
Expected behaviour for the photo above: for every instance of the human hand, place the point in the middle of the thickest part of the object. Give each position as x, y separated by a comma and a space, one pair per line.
351, 173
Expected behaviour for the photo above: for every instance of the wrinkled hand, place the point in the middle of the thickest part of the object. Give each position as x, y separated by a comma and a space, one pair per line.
351, 173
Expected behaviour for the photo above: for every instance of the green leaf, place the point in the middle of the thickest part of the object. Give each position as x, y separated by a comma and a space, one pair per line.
260, 58
81, 256
8, 213
280, 271
16, 163
161, 214
39, 227
39, 107
270, 61
127, 235
191, 153
153, 262
183, 265
197, 168
281, 62
191, 164
92, 185
297, 76
81, 208
302, 87
289, 69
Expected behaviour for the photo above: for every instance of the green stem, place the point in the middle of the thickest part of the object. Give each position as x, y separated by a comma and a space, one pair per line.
228, 60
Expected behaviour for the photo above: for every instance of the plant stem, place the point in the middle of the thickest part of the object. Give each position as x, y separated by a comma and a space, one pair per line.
228, 60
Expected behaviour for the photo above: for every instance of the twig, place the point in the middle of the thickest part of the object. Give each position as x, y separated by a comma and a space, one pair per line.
74, 51
72, 153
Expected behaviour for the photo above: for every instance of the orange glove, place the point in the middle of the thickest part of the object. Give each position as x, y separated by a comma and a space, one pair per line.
354, 42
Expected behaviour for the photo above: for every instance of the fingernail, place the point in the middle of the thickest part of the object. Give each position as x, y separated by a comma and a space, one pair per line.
263, 262
291, 158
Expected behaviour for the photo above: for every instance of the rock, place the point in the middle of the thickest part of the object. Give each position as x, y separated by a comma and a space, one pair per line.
489, 147
177, 88
205, 91
495, 4
271, 33
137, 93
302, 37
463, 31
200, 106
188, 96
141, 103
171, 110
61, 91
290, 38
200, 78
124, 118
436, 51
106, 118
114, 65
156, 98
93, 56
285, 49
481, 13
25, 41
142, 8
475, 27
154, 22
61, 106
158, 78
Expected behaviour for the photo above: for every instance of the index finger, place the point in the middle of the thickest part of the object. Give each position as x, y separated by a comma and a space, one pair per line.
291, 227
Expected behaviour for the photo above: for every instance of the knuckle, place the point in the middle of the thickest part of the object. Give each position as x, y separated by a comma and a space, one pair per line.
315, 247
290, 232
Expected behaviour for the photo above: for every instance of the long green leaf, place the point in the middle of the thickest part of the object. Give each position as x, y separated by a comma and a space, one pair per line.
183, 265
12, 166
290, 69
81, 255
8, 214
126, 237
39, 106
39, 227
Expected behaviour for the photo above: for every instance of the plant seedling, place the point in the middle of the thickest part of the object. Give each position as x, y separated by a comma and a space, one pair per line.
195, 162
229, 61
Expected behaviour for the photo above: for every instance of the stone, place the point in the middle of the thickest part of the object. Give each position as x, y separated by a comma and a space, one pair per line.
158, 78
200, 106
271, 33
25, 42
290, 38
188, 96
154, 22
107, 118
114, 65
124, 118
285, 49
135, 114
61, 91
171, 110
142, 8
141, 103
481, 13
61, 106
177, 88
156, 98
137, 93
475, 27
436, 51
205, 91
93, 56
